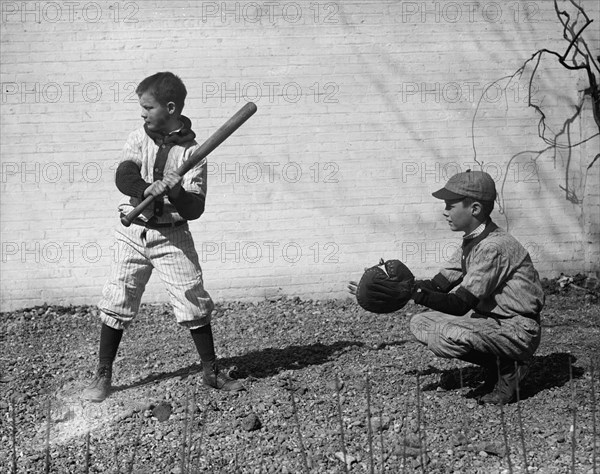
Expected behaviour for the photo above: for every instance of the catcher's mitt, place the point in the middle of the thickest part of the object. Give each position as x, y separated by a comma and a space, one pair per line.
386, 287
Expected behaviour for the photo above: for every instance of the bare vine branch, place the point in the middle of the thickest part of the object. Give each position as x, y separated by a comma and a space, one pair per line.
576, 57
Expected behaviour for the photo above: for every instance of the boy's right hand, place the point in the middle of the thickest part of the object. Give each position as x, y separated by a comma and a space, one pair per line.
156, 189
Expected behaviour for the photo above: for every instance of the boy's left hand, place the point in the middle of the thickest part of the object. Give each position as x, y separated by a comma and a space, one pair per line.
173, 182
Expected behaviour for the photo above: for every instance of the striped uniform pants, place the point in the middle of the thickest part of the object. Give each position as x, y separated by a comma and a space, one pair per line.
451, 337
169, 251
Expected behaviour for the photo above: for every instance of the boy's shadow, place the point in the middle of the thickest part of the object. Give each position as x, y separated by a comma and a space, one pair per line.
545, 372
260, 364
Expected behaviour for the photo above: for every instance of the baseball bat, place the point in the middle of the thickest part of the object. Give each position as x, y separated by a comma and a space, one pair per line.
218, 137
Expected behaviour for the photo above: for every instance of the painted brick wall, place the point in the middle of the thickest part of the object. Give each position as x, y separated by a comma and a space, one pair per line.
365, 108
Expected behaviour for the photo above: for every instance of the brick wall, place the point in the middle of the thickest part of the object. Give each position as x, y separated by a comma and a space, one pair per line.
365, 108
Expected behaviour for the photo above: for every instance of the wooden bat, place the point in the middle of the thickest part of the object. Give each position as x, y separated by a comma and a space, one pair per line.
227, 129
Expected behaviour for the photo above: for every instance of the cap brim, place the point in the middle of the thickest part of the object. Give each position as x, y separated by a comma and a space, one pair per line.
447, 195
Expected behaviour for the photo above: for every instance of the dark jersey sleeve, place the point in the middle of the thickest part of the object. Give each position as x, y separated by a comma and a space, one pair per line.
129, 179
189, 205
456, 304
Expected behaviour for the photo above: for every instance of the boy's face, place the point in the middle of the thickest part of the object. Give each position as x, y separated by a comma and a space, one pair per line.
460, 217
157, 117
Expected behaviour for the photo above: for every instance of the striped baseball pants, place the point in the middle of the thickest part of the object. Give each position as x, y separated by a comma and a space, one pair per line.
451, 337
169, 251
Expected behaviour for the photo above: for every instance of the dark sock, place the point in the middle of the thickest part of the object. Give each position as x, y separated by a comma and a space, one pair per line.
109, 344
203, 339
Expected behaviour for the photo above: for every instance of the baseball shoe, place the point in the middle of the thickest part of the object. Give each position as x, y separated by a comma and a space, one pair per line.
512, 374
100, 386
214, 378
490, 378
489, 369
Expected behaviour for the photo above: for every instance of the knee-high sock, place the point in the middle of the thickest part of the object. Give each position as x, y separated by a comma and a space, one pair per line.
109, 344
203, 339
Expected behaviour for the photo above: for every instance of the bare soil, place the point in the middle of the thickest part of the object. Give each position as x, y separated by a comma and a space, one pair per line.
306, 365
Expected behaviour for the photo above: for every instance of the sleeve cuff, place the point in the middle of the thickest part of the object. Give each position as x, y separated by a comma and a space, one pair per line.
442, 283
467, 297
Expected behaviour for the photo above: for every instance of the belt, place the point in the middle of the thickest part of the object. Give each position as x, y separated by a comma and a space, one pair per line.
534, 316
158, 225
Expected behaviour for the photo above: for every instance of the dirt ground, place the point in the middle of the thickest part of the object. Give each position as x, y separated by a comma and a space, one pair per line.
322, 378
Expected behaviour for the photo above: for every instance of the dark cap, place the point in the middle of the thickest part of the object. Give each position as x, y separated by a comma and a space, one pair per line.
474, 184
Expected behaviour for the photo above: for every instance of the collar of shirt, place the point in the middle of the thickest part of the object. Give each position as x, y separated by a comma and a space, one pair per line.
176, 131
176, 137
477, 232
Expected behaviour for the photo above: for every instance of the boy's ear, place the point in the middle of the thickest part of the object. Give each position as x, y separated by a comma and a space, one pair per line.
476, 209
171, 108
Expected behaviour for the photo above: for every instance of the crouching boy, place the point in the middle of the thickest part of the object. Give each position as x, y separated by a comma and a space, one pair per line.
486, 302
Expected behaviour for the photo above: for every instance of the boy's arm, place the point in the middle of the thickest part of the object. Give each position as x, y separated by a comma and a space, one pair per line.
484, 275
455, 304
189, 198
129, 179
128, 176
189, 205
447, 278
435, 293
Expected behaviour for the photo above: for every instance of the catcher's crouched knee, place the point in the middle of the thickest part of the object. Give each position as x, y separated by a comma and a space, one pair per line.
420, 326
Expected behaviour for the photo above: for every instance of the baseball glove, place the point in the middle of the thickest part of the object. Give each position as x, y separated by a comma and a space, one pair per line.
386, 287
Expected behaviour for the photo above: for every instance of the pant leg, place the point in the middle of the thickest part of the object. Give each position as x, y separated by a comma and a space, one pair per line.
130, 272
175, 260
450, 336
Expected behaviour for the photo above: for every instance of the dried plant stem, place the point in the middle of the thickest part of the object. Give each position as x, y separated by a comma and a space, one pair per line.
14, 435
404, 424
297, 423
190, 435
48, 424
262, 454
184, 432
505, 437
574, 425
86, 467
381, 439
421, 432
200, 437
521, 433
369, 427
503, 423
594, 431
339, 405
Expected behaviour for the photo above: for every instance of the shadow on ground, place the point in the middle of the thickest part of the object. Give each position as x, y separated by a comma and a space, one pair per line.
262, 363
546, 372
